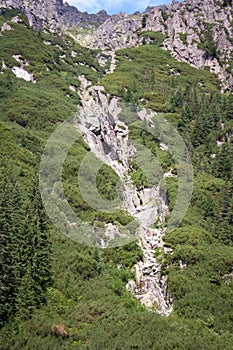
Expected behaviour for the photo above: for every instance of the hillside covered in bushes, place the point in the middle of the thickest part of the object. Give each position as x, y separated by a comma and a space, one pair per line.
58, 294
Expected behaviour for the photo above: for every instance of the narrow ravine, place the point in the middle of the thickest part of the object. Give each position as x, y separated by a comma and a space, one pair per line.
108, 139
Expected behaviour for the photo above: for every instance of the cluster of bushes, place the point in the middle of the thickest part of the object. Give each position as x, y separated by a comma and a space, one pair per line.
55, 61
157, 83
75, 296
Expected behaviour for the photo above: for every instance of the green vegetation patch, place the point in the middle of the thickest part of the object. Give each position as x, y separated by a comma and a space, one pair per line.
157, 38
150, 75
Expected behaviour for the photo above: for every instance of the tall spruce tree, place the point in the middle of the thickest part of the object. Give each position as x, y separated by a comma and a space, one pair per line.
36, 270
24, 249
222, 165
10, 226
224, 215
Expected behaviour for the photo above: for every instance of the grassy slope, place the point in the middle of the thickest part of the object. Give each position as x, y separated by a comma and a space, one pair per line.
88, 296
151, 75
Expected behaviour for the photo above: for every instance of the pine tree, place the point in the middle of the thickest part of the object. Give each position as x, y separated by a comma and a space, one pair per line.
10, 225
35, 263
185, 118
222, 166
224, 214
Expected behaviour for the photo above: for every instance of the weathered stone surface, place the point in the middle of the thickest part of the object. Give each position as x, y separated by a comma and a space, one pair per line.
108, 139
117, 32
6, 27
21, 73
184, 25
54, 14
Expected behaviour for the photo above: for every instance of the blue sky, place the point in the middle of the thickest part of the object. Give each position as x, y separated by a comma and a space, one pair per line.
115, 6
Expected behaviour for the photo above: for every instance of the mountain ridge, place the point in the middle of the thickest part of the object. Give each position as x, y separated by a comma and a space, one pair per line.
198, 32
93, 300
55, 14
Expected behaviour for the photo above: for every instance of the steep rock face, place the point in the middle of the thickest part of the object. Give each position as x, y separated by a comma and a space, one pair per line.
117, 32
149, 287
198, 32
54, 14
72, 18
108, 139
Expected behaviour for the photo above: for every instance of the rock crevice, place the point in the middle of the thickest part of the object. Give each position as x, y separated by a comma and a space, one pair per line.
108, 139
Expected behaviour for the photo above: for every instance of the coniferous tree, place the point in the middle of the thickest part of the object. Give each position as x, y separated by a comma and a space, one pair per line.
185, 118
36, 274
224, 215
24, 249
222, 166
10, 226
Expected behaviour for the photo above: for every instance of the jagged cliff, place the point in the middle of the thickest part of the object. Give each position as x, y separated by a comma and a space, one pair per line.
198, 32
108, 138
54, 14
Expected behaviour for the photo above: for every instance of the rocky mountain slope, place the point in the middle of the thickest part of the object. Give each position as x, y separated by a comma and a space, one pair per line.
54, 14
166, 26
108, 138
198, 32
186, 272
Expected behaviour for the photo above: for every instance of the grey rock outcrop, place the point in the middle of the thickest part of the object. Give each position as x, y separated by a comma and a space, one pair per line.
198, 32
108, 138
117, 32
54, 14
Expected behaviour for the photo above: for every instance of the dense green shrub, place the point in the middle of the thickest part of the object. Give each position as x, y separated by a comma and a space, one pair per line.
86, 297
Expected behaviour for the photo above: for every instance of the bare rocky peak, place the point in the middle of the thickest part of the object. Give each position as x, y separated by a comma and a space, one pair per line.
198, 32
54, 13
119, 31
